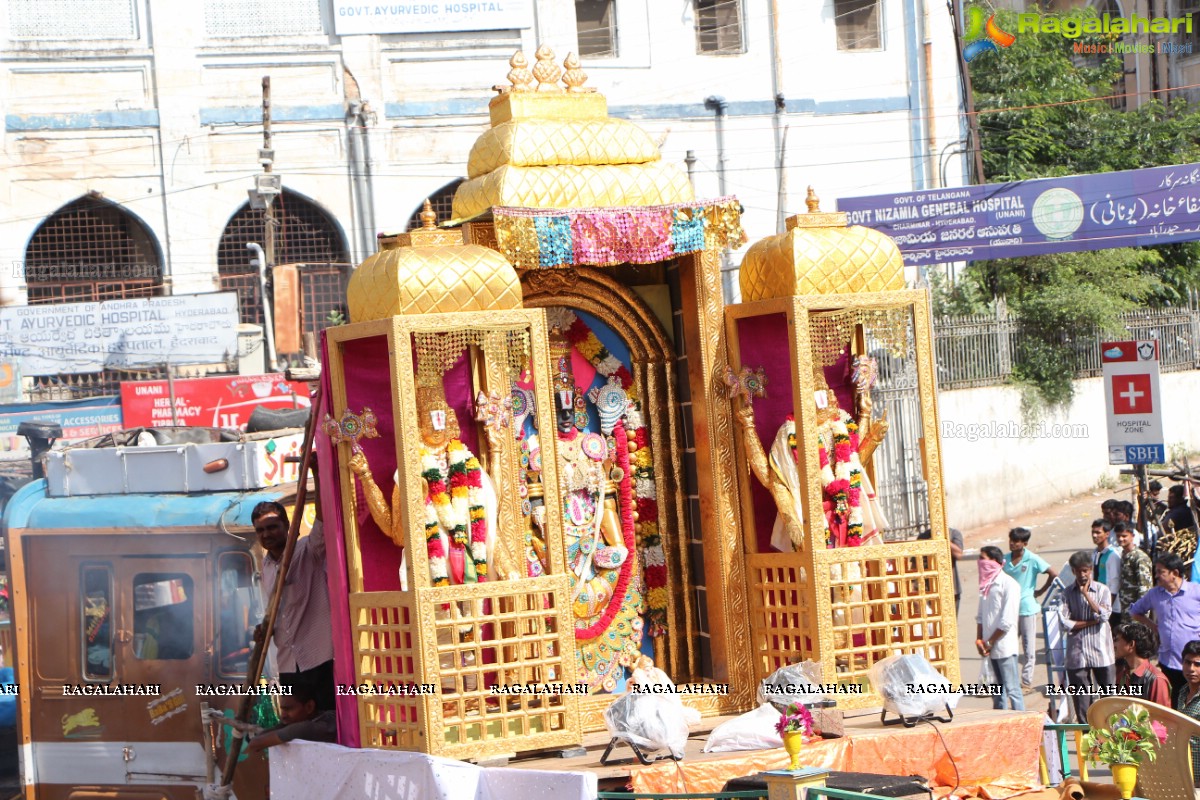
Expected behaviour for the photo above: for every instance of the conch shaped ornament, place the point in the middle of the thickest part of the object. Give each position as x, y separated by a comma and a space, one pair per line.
612, 403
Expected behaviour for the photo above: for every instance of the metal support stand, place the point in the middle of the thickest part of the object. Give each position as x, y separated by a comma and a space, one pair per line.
637, 751
912, 722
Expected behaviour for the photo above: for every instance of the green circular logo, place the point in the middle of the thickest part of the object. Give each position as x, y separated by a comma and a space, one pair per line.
1057, 213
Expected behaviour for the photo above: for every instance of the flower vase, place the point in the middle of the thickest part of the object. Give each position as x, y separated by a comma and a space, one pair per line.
1125, 778
793, 742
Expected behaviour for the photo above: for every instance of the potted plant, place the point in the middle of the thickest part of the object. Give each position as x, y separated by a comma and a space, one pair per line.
794, 724
1130, 738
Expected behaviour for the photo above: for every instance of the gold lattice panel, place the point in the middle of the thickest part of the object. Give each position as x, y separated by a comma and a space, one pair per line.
539, 142
780, 611
653, 184
851, 608
468, 641
430, 280
386, 655
807, 261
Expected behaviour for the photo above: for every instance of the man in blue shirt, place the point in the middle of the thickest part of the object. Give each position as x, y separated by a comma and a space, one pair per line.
1175, 602
1024, 567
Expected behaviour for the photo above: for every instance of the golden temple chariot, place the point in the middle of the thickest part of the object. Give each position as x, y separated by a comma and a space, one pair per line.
560, 451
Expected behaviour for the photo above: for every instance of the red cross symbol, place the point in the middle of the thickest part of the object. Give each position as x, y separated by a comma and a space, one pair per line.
1131, 394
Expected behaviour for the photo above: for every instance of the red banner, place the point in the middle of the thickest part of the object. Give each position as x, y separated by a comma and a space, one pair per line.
217, 402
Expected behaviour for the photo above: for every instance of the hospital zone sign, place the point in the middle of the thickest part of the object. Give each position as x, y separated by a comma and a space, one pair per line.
1135, 430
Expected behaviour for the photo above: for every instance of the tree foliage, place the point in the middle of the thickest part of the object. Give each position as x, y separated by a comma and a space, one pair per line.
1043, 112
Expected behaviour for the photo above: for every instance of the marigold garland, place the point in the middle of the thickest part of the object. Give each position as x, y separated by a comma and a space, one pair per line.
459, 511
626, 575
841, 482
649, 538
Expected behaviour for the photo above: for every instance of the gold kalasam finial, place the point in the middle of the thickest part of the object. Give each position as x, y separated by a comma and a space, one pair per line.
546, 71
574, 77
519, 76
428, 217
813, 202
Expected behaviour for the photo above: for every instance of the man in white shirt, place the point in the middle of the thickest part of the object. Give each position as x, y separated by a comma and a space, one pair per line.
996, 625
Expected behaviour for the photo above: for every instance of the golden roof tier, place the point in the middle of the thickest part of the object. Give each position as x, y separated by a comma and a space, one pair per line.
429, 271
554, 146
818, 254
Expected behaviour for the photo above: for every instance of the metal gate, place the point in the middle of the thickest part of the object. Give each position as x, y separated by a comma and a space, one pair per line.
899, 466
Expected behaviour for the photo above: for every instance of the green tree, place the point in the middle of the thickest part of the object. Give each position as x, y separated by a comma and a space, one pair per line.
1043, 112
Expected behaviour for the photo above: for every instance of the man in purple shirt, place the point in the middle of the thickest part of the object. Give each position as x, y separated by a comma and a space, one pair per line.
302, 633
1175, 602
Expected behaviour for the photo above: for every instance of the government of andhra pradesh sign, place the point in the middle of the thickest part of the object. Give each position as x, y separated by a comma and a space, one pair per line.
69, 338
436, 16
1143, 207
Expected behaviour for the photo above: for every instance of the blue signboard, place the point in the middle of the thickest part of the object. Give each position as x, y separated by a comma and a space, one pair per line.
1143, 207
80, 419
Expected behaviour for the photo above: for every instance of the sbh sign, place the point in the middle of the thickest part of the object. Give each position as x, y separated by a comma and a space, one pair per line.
1135, 430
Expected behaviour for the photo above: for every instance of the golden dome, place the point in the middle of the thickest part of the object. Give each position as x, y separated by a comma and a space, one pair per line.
818, 254
430, 271
554, 146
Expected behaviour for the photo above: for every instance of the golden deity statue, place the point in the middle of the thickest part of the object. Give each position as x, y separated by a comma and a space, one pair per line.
460, 519
598, 515
851, 514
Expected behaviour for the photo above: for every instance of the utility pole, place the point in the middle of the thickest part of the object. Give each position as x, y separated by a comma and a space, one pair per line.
267, 187
267, 157
975, 142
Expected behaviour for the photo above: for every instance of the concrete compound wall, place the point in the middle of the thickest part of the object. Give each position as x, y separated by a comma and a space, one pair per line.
997, 467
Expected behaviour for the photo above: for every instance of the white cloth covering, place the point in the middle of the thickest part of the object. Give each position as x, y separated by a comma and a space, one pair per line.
318, 771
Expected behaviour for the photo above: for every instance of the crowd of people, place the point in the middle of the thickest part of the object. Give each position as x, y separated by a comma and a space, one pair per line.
1129, 614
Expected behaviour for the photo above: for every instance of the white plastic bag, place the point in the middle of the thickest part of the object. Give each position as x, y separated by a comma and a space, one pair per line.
794, 683
754, 730
651, 715
987, 675
911, 687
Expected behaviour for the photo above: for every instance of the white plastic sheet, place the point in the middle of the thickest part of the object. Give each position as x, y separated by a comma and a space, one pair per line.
754, 730
911, 687
655, 720
318, 771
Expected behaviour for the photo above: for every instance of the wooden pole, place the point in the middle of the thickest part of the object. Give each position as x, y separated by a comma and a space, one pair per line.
259, 656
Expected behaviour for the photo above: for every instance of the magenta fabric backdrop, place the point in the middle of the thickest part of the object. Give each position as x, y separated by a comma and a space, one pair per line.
368, 384
335, 568
764, 343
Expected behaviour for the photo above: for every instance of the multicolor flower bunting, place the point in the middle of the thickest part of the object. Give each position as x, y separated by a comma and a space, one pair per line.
544, 238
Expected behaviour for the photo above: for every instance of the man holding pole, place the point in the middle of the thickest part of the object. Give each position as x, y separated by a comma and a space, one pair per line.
302, 635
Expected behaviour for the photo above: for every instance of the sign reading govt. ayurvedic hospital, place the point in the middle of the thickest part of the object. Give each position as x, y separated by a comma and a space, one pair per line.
435, 16
1026, 218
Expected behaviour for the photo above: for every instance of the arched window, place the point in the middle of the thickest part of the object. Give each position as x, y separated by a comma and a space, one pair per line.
305, 236
90, 250
1110, 7
442, 202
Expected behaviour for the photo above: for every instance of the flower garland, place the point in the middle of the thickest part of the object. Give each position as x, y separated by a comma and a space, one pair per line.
649, 538
625, 497
841, 481
459, 511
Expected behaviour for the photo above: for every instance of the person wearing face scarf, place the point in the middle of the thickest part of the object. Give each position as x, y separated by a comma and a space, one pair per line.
996, 626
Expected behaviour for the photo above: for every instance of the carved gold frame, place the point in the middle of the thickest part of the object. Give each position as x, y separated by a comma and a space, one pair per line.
620, 308
490, 372
702, 304
813, 560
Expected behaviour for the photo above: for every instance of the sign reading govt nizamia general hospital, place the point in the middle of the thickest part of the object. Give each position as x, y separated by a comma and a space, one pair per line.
148, 331
434, 16
1144, 207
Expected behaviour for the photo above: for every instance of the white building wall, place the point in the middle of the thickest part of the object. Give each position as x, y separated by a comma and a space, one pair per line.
165, 122
992, 472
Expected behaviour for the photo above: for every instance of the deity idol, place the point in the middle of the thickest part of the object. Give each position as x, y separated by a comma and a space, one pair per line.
851, 514
460, 521
597, 497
